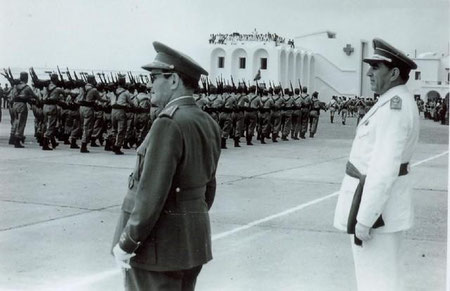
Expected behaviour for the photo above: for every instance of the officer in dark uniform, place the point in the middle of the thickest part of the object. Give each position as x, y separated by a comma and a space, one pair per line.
163, 237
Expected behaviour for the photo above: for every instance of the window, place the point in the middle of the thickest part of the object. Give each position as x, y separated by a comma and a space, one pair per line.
221, 62
263, 63
418, 75
241, 63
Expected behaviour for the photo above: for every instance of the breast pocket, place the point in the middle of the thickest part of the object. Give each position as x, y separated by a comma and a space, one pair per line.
363, 130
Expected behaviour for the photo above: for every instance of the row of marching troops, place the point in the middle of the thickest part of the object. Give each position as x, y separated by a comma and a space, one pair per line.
350, 107
267, 112
111, 111
119, 114
436, 110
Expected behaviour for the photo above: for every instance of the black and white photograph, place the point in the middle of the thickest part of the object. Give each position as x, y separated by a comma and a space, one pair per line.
290, 145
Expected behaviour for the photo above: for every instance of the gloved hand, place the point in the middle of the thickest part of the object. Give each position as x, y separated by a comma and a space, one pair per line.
122, 258
363, 232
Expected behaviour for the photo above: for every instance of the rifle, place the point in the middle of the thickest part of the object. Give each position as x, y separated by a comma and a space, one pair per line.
282, 91
60, 75
232, 82
300, 85
292, 88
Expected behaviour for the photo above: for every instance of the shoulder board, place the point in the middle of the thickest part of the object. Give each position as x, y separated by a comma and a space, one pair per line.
396, 103
168, 112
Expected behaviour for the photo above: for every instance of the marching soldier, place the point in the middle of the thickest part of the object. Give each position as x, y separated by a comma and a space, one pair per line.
21, 95
52, 95
333, 106
305, 102
214, 103
316, 106
142, 117
278, 103
73, 124
361, 109
286, 113
88, 98
265, 116
251, 114
225, 118
344, 109
297, 104
238, 115
119, 103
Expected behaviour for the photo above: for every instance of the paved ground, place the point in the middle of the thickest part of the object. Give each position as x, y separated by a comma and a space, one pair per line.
271, 221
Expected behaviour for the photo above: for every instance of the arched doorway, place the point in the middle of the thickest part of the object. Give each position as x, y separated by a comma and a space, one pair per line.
433, 95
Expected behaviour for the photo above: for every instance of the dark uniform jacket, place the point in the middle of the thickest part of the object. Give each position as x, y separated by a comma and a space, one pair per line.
165, 212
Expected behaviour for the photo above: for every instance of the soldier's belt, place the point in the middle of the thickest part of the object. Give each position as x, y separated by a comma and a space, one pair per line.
50, 102
20, 99
117, 106
86, 103
251, 109
263, 110
226, 110
352, 171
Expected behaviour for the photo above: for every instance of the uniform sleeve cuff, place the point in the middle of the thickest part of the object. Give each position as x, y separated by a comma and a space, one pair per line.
127, 244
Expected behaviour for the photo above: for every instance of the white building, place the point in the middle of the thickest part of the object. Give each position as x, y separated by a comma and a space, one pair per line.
321, 61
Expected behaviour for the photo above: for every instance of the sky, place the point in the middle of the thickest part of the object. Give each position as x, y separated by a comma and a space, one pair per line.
118, 34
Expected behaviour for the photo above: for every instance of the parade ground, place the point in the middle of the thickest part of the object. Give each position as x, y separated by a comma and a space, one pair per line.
271, 220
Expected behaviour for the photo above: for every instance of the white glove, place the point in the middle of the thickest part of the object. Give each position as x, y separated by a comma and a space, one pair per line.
122, 258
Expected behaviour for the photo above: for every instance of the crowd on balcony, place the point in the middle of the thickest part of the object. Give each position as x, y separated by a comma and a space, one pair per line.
221, 38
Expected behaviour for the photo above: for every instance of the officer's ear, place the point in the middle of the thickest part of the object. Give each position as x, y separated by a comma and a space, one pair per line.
395, 73
175, 81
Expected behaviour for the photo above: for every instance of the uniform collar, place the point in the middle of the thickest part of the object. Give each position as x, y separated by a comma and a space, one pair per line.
182, 100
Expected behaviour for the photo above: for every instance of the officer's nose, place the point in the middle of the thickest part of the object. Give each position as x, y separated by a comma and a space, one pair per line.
369, 72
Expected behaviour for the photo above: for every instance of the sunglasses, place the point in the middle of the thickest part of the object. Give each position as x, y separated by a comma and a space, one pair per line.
153, 76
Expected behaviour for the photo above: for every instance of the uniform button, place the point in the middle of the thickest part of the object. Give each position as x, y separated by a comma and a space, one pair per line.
177, 189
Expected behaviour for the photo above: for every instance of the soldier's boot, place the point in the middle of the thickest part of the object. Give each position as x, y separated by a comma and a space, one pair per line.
343, 122
274, 137
223, 143
45, 144
236, 142
12, 139
66, 139
331, 119
249, 140
284, 137
117, 150
302, 135
262, 140
101, 140
107, 145
125, 145
17, 143
54, 143
311, 135
73, 144
94, 144
84, 148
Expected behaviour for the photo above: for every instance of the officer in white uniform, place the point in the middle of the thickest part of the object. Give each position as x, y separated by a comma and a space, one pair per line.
374, 203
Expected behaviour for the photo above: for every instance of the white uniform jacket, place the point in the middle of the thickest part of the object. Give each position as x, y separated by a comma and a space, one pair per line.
385, 138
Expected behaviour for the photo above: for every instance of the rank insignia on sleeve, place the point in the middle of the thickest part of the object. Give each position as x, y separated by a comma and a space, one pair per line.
396, 103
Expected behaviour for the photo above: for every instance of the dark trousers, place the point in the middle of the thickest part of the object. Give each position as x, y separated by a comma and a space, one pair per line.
182, 280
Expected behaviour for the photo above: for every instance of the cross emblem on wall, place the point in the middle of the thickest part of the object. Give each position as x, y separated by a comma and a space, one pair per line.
348, 49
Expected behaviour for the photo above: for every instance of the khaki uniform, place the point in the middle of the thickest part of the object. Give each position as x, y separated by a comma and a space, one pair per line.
295, 129
286, 115
87, 102
52, 95
305, 101
22, 94
225, 115
120, 101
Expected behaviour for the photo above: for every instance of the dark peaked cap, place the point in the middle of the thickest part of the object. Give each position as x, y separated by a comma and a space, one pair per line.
169, 59
384, 52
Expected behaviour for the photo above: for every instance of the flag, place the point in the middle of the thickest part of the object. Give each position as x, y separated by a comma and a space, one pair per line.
258, 76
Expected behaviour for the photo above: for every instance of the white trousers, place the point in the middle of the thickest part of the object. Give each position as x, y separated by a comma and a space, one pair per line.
378, 263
